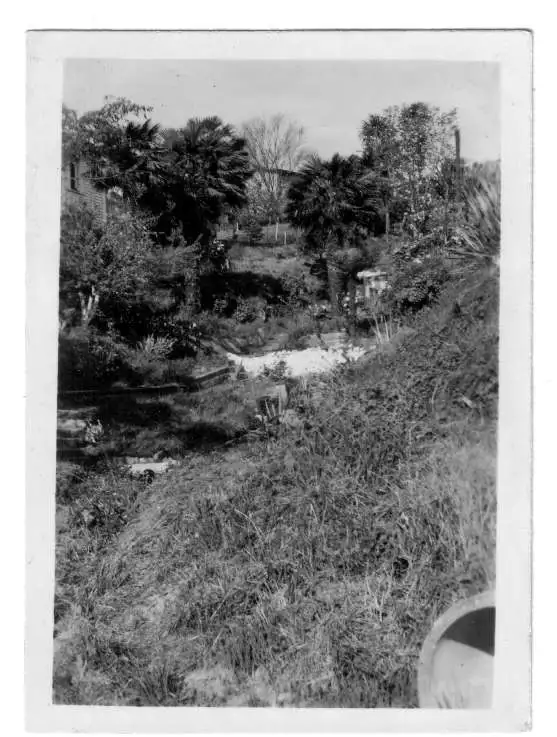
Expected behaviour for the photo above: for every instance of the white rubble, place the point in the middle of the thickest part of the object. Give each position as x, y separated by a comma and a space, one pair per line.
298, 363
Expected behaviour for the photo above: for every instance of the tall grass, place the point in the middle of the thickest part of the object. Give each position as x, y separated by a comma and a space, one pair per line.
304, 569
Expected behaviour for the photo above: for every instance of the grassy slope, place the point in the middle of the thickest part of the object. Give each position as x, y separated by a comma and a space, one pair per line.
305, 570
276, 260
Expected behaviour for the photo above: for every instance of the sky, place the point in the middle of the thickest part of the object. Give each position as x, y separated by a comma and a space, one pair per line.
329, 98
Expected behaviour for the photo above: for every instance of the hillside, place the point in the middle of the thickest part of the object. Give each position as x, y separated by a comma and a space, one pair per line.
304, 568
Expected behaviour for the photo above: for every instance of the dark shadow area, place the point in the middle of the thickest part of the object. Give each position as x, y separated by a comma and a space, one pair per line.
126, 410
147, 426
204, 435
476, 629
239, 284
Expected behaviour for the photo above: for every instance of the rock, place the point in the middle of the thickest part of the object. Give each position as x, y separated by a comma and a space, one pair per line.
150, 468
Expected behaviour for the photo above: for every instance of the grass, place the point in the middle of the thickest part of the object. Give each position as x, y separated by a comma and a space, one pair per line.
268, 235
175, 425
304, 568
229, 588
275, 260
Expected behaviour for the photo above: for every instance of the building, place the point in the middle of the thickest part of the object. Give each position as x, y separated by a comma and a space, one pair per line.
374, 283
78, 188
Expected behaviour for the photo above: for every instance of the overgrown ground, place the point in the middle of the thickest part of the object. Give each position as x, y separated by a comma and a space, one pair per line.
303, 569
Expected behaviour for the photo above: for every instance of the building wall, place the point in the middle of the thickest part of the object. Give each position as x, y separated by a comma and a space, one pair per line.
80, 189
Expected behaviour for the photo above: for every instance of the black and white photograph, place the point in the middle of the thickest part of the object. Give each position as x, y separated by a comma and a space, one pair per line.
276, 377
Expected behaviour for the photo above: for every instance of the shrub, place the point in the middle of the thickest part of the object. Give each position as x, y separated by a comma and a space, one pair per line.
478, 235
216, 254
89, 360
297, 335
277, 372
295, 290
248, 310
415, 285
180, 329
156, 349
102, 266
221, 305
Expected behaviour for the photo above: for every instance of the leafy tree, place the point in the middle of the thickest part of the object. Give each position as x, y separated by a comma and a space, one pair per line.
276, 148
98, 265
185, 178
411, 150
334, 202
206, 174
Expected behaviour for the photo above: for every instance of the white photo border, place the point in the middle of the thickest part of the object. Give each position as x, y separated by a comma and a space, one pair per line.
46, 52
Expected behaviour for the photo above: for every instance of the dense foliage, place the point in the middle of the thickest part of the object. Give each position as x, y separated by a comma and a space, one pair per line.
411, 152
185, 178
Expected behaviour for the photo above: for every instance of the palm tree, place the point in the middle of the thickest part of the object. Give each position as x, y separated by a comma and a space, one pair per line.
210, 168
334, 202
378, 136
207, 171
134, 161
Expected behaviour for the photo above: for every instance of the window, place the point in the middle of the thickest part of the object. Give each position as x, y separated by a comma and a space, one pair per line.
73, 177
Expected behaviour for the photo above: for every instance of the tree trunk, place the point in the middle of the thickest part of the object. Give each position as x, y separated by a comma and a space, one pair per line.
276, 231
333, 277
88, 306
387, 223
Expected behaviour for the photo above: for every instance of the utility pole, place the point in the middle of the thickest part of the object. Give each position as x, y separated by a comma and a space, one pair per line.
457, 163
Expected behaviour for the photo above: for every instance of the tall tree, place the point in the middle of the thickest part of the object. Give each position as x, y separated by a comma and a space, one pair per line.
184, 178
426, 142
207, 171
380, 150
412, 149
276, 148
334, 202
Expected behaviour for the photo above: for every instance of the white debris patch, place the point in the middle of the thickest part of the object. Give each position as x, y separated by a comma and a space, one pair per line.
297, 363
